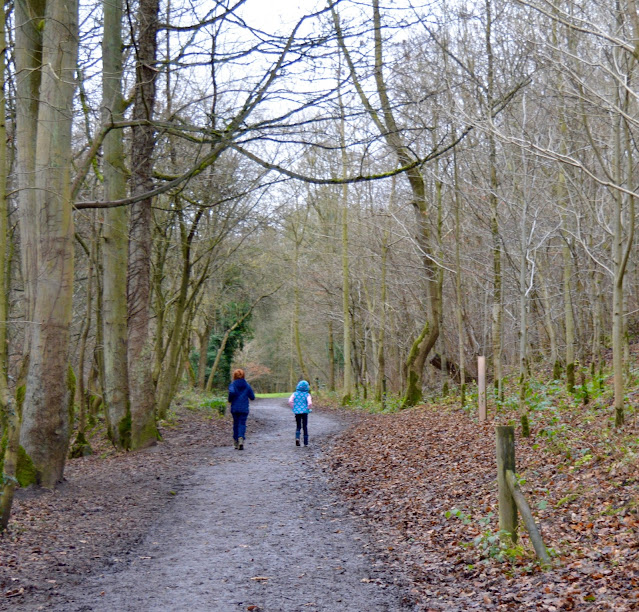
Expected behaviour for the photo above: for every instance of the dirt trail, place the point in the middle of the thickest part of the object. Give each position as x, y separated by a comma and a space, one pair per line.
251, 528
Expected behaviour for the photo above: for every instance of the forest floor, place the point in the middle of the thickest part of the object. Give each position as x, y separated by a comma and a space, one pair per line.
381, 512
193, 524
427, 478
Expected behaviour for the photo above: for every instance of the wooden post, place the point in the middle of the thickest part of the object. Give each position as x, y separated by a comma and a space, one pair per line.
529, 521
505, 462
481, 387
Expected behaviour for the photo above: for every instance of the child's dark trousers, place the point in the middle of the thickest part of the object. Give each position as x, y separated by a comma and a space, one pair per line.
301, 421
239, 424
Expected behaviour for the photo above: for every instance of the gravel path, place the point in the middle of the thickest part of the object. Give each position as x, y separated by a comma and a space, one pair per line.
252, 530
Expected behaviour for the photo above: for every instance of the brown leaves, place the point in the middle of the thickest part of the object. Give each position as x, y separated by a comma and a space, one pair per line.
403, 472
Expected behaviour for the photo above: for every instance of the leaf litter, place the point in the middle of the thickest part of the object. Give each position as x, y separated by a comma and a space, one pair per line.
425, 478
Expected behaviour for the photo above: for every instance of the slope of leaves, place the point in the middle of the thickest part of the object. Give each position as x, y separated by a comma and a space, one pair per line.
427, 477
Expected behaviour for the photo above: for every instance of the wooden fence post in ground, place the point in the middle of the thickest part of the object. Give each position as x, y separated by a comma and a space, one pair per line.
505, 462
481, 387
511, 498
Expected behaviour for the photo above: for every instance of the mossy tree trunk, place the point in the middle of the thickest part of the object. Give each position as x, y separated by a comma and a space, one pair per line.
384, 120
4, 228
45, 419
9, 419
81, 446
140, 344
331, 356
114, 233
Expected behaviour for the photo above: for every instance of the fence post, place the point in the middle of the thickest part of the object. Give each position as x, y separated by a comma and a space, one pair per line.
506, 462
481, 387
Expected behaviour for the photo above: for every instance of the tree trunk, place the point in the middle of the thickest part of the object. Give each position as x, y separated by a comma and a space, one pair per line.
523, 321
8, 414
114, 236
4, 226
494, 221
81, 447
171, 373
45, 422
550, 327
380, 383
384, 121
347, 394
28, 59
458, 285
204, 338
139, 353
331, 357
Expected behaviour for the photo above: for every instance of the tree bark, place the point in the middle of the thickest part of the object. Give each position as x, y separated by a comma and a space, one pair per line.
114, 236
45, 422
494, 219
139, 351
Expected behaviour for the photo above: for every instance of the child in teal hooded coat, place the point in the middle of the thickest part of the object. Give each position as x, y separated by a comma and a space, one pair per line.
301, 404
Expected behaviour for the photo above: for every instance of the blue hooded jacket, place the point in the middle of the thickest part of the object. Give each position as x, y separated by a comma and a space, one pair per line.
300, 398
240, 393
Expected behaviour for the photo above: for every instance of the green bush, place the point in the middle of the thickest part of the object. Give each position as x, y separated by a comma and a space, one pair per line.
216, 404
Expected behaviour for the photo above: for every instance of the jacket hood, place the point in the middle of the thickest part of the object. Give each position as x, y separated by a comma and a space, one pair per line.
240, 384
302, 385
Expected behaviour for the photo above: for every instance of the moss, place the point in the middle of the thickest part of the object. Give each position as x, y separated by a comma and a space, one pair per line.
570, 377
584, 390
26, 473
556, 370
413, 392
21, 393
463, 395
3, 447
147, 436
71, 385
81, 447
346, 399
445, 389
124, 431
525, 426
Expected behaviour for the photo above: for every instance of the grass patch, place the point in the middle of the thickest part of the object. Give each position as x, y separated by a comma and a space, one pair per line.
272, 395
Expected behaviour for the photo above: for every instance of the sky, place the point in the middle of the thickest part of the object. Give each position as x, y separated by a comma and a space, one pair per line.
274, 14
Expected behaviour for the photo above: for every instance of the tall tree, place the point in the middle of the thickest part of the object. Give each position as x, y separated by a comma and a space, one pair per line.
114, 235
140, 345
46, 60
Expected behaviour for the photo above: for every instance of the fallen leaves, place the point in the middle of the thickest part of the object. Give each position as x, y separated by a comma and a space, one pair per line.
404, 472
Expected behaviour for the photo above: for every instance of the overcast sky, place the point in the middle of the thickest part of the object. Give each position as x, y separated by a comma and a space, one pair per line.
276, 14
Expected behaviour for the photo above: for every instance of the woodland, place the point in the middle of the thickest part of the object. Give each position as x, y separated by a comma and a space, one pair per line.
369, 195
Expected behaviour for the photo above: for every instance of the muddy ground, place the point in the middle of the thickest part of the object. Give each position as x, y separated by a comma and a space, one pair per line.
194, 524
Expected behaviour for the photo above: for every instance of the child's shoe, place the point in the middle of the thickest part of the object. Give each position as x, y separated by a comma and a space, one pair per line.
297, 441
240, 444
235, 444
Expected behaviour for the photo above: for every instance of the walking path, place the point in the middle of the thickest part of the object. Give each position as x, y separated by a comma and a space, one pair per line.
252, 530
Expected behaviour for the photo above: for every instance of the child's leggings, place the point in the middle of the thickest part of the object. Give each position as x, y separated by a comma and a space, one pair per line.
301, 421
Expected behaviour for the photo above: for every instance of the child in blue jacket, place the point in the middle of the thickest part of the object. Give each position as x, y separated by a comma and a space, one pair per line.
240, 393
301, 404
